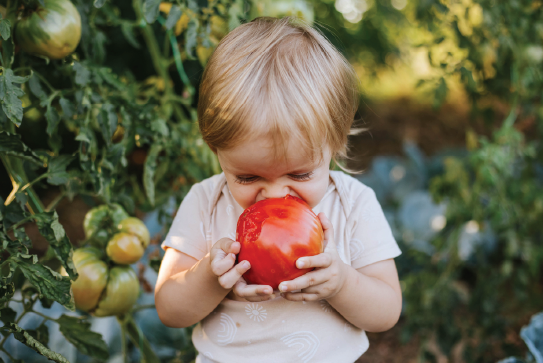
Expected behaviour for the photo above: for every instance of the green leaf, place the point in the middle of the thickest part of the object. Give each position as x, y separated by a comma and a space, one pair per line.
82, 74
41, 334
149, 169
107, 119
160, 127
11, 144
48, 282
27, 339
8, 52
57, 169
10, 93
173, 17
36, 88
77, 332
50, 228
68, 110
150, 10
53, 119
5, 29
128, 31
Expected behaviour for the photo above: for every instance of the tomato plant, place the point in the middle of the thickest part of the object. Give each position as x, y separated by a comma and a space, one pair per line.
273, 234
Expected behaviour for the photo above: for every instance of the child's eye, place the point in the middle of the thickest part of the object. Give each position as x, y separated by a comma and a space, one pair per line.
245, 179
302, 177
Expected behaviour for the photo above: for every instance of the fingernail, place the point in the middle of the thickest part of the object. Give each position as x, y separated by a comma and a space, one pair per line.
246, 264
283, 288
301, 264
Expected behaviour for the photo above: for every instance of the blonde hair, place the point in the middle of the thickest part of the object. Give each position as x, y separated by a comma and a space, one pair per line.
282, 78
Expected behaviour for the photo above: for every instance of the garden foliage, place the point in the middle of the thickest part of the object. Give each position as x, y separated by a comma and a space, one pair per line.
113, 122
471, 295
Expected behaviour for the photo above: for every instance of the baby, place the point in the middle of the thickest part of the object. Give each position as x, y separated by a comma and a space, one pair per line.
277, 102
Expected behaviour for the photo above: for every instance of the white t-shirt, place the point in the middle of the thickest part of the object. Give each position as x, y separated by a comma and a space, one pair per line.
279, 330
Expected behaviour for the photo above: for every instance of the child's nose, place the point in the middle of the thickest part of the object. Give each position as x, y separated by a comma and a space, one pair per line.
275, 191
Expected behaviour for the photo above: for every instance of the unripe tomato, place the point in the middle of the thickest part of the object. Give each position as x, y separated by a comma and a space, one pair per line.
99, 218
136, 227
53, 30
121, 292
273, 234
129, 244
124, 248
99, 290
92, 280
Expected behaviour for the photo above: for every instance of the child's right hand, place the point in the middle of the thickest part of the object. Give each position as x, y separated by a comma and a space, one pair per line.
223, 259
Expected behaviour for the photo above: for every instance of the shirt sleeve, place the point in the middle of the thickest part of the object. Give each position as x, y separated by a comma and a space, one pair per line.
371, 238
187, 233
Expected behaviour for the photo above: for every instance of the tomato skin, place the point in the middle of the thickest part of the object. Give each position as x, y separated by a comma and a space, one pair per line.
124, 248
136, 227
273, 234
53, 30
122, 291
129, 245
93, 276
98, 218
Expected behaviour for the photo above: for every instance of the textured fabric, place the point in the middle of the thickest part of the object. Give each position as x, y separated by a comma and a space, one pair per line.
280, 330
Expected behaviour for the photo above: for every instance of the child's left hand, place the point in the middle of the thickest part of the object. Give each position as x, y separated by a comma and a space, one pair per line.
328, 277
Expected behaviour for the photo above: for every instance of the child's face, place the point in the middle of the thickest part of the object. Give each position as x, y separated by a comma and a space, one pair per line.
253, 173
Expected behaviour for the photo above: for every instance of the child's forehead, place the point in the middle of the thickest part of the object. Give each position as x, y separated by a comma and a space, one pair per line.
266, 153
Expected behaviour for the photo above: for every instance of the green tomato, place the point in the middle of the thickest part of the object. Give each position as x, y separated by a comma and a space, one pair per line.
129, 245
136, 227
98, 219
99, 290
52, 30
121, 292
124, 248
93, 275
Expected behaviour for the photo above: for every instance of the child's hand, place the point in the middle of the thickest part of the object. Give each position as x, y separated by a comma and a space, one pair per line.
327, 278
223, 259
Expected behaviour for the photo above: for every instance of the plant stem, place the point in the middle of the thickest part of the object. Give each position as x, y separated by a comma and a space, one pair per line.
55, 201
143, 307
43, 316
124, 343
152, 45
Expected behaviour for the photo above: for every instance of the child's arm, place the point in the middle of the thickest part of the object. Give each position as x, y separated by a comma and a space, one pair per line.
370, 297
187, 290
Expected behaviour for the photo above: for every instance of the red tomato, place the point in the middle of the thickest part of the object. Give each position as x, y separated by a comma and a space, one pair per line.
273, 234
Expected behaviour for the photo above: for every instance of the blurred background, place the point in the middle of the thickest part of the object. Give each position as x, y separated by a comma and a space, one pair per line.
451, 97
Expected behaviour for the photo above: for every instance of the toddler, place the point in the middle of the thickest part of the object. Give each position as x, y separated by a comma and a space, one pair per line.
276, 105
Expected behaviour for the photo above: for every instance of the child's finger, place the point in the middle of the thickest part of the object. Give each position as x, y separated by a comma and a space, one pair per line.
300, 296
309, 279
220, 265
328, 231
246, 291
320, 260
228, 245
229, 279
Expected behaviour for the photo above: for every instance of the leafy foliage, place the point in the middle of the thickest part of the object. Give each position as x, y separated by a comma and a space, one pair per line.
114, 122
483, 278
